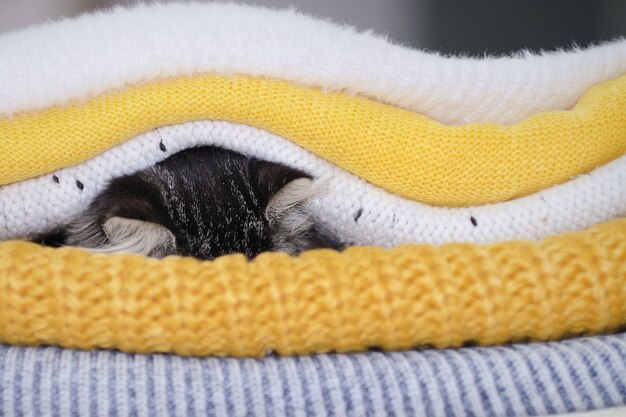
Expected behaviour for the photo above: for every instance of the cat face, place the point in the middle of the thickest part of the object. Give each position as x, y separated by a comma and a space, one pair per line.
203, 202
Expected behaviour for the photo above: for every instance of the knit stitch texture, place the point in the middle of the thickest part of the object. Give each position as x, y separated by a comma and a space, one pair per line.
357, 211
318, 302
402, 152
511, 381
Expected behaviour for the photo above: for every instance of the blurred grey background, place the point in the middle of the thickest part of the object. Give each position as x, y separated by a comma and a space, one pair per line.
470, 27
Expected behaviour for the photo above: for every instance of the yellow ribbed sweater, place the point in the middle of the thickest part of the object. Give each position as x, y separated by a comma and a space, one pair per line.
321, 301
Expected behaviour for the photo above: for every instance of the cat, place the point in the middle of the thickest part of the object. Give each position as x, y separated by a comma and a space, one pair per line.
202, 202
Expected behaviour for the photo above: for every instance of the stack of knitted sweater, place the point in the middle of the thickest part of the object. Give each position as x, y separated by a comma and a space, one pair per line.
482, 200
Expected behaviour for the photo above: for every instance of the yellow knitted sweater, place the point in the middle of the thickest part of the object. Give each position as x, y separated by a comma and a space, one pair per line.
321, 301
400, 151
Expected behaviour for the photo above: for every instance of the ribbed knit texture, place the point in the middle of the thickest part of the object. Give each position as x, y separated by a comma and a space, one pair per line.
604, 412
320, 301
511, 381
402, 152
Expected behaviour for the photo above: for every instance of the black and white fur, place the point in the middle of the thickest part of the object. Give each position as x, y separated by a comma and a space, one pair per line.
201, 202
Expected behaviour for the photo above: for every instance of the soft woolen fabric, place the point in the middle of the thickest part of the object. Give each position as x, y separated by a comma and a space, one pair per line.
402, 152
511, 381
108, 50
357, 211
321, 301
606, 412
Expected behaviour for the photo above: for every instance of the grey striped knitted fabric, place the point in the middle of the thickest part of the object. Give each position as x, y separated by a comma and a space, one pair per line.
518, 380
605, 412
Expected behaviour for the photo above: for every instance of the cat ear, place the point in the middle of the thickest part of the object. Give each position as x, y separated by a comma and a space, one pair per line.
285, 192
293, 228
137, 236
290, 196
282, 188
